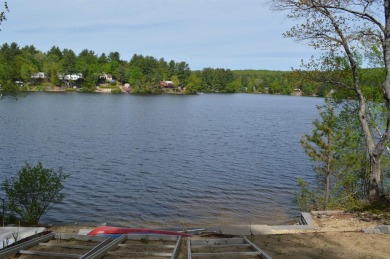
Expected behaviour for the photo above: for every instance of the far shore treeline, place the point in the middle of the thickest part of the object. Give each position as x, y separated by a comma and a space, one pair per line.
29, 69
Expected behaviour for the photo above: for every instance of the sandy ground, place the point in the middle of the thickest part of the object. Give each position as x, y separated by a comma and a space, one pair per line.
338, 236
326, 245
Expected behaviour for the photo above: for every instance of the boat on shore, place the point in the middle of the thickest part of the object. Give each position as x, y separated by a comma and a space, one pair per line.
117, 231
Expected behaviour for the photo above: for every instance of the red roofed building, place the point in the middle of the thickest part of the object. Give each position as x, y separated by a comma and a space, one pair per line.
166, 84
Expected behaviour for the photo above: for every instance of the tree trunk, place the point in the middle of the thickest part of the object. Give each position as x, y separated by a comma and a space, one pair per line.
328, 163
375, 176
327, 191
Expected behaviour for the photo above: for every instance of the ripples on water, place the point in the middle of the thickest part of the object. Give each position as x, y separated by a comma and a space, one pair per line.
163, 160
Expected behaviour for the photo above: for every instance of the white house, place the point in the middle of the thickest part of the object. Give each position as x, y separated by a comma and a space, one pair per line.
72, 77
107, 77
39, 75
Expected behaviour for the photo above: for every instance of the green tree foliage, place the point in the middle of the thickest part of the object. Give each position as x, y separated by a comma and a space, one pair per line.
146, 73
346, 155
143, 73
89, 82
304, 198
54, 77
136, 77
52, 61
352, 163
175, 80
266, 81
194, 84
234, 86
349, 33
216, 80
68, 62
149, 69
29, 64
10, 67
171, 68
87, 62
182, 71
33, 191
319, 146
115, 66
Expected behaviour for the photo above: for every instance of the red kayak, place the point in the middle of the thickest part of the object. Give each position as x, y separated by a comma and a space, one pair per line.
115, 231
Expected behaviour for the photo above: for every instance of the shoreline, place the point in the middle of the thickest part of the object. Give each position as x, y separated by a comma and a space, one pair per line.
124, 90
327, 234
314, 222
337, 235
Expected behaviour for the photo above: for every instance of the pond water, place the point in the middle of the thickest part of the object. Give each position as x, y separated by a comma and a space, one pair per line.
165, 160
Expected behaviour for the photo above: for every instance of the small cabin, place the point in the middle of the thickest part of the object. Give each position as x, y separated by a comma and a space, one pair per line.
166, 84
107, 77
40, 75
297, 92
72, 77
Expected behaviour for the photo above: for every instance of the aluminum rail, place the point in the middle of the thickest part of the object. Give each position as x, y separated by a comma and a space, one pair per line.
13, 250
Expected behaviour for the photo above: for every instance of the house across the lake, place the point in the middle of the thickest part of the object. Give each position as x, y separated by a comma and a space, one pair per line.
107, 77
167, 84
40, 75
72, 77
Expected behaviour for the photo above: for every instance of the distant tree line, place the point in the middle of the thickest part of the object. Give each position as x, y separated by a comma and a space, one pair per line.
18, 65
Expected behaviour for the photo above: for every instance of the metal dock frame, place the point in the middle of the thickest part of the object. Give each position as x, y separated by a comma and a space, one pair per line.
224, 243
104, 247
22, 248
149, 237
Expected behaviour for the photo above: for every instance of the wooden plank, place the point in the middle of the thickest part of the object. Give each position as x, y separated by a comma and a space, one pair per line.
49, 254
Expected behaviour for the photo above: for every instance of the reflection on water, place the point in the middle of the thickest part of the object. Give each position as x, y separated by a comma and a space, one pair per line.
163, 160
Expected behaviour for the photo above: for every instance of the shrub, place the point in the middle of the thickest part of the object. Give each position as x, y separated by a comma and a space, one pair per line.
116, 90
304, 198
33, 191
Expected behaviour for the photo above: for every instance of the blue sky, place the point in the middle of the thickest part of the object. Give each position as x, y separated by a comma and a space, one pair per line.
234, 34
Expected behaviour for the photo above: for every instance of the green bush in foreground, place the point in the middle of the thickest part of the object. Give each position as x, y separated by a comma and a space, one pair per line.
33, 191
